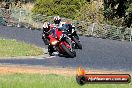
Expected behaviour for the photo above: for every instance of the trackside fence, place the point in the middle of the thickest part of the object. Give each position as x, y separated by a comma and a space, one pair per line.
105, 31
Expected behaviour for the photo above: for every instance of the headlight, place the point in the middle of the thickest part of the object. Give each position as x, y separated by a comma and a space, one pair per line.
54, 42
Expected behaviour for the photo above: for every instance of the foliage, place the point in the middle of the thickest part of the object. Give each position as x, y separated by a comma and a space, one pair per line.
91, 12
118, 9
129, 8
64, 8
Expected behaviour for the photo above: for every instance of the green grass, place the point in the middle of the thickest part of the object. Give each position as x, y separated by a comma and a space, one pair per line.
48, 81
14, 48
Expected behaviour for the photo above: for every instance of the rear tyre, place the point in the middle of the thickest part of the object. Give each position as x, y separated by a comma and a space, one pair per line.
70, 54
77, 43
46, 41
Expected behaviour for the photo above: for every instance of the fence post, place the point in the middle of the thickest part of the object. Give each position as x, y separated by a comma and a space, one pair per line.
20, 14
92, 29
131, 35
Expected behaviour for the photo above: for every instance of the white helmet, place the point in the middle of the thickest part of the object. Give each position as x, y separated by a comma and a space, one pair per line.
45, 25
57, 19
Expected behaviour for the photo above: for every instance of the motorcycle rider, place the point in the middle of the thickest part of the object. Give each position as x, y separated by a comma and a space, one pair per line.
46, 27
45, 34
57, 24
57, 21
50, 28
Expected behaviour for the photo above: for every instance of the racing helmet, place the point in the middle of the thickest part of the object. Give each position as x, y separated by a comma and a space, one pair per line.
57, 20
46, 27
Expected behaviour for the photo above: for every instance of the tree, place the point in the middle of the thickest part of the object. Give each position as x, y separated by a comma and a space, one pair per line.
91, 12
64, 8
117, 9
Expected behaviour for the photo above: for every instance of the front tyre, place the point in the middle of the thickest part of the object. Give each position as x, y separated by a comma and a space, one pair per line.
70, 54
77, 43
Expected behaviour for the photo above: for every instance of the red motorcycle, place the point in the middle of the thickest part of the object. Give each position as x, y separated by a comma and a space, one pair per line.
61, 43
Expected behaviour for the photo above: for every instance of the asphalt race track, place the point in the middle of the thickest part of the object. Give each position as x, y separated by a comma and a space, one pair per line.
96, 53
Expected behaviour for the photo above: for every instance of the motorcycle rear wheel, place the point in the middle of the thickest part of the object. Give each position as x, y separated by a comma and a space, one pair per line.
46, 41
77, 43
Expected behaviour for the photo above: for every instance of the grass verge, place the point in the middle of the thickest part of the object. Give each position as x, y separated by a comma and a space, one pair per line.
19, 80
13, 48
